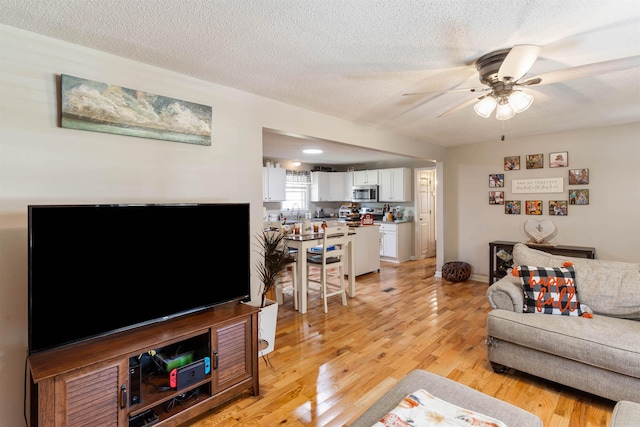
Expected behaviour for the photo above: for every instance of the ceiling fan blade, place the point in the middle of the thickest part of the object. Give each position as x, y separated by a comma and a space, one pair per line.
466, 89
461, 106
581, 71
518, 61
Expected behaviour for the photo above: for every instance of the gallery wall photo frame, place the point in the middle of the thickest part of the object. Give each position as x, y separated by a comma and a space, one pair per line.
534, 161
496, 180
102, 107
559, 159
579, 197
512, 207
496, 197
512, 163
533, 207
558, 208
578, 176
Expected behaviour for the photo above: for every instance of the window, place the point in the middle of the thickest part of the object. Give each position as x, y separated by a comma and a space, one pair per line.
297, 191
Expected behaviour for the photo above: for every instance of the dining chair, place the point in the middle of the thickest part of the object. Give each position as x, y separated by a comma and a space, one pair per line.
328, 257
293, 265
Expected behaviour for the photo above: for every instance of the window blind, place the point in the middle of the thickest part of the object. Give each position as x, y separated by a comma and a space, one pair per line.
298, 177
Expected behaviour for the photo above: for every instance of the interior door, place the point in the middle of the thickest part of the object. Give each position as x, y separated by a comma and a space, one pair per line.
426, 212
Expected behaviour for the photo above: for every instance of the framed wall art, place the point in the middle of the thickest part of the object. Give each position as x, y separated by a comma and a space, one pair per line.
533, 207
535, 161
512, 163
558, 207
512, 207
496, 180
559, 159
496, 197
578, 176
579, 197
102, 107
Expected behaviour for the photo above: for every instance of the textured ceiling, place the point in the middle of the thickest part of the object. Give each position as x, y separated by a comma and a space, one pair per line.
355, 58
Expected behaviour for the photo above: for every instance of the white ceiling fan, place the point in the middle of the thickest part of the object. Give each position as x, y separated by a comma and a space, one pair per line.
503, 72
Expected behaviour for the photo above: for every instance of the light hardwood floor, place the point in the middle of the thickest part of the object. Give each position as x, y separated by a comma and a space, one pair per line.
328, 368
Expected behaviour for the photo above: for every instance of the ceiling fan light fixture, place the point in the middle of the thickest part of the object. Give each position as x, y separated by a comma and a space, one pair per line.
485, 107
520, 101
504, 111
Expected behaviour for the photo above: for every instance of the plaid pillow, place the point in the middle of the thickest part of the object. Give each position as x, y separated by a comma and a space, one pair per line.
549, 290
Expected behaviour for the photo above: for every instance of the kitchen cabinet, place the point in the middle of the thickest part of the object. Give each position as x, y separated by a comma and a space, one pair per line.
366, 177
328, 187
396, 241
274, 182
395, 185
366, 242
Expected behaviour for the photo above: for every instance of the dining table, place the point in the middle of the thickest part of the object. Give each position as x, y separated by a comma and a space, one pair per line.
304, 242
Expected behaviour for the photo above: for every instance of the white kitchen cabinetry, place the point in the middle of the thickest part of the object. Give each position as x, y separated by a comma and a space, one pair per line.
395, 185
366, 243
274, 184
365, 177
396, 241
328, 187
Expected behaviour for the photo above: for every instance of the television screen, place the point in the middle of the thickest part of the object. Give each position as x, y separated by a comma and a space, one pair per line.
99, 269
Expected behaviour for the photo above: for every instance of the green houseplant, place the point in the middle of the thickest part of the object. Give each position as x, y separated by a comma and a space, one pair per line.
274, 258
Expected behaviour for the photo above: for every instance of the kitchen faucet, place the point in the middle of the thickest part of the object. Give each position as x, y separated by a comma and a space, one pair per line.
297, 206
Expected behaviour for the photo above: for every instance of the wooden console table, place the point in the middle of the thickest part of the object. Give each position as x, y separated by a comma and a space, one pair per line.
498, 265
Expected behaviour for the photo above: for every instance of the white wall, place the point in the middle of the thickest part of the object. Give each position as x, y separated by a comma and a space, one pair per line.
43, 163
610, 223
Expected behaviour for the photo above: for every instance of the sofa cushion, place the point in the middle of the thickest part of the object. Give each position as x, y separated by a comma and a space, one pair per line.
549, 290
605, 342
608, 287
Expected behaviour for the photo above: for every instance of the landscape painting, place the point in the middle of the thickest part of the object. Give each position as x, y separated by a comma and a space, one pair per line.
101, 107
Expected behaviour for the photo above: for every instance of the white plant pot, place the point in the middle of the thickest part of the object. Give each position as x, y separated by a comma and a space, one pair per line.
267, 320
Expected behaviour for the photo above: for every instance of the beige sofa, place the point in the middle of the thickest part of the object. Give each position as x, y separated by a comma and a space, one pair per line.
598, 355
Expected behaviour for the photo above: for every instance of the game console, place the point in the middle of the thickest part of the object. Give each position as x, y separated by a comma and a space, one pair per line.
169, 363
135, 382
187, 375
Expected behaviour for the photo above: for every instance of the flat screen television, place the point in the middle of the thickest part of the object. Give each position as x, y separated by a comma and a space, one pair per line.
100, 269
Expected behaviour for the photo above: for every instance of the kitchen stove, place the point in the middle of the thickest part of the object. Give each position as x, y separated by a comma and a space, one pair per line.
378, 213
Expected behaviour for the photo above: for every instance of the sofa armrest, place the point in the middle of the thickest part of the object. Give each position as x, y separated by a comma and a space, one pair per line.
506, 294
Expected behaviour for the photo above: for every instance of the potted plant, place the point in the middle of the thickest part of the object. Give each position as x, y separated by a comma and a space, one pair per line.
274, 258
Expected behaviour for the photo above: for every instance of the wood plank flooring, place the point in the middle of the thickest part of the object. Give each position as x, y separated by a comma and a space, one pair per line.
328, 368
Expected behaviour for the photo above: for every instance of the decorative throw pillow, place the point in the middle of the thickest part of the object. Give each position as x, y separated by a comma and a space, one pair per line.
550, 290
421, 409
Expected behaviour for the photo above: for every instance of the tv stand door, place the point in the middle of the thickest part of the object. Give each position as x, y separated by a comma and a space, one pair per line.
87, 396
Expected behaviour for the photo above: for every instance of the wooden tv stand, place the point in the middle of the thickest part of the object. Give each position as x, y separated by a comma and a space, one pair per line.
88, 383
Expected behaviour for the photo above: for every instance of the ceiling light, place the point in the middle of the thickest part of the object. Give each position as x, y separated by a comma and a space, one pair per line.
312, 151
485, 107
520, 101
504, 111
296, 163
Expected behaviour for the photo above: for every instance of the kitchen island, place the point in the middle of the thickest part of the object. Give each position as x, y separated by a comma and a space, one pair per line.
367, 256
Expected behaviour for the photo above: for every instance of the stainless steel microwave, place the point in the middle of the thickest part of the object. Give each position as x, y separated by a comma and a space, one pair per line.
364, 193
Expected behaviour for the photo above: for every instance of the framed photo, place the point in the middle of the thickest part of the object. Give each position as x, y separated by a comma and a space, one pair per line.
512, 163
535, 161
533, 207
558, 207
512, 207
496, 197
578, 176
559, 159
496, 180
579, 197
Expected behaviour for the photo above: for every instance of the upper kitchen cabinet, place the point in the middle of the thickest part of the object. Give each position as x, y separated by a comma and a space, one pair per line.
330, 187
365, 177
274, 184
395, 185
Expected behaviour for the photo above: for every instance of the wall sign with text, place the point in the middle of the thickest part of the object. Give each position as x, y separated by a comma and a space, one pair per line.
537, 185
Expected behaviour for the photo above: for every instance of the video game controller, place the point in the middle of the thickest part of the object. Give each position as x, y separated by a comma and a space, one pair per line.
173, 378
207, 365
